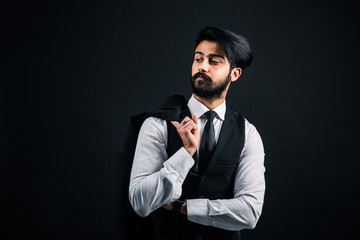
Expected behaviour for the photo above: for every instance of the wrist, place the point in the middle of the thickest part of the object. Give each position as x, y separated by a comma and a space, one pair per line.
190, 150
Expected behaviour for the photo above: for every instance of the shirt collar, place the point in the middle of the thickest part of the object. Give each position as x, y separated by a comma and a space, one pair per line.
198, 109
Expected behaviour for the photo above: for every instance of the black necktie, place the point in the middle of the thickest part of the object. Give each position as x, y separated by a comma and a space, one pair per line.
207, 144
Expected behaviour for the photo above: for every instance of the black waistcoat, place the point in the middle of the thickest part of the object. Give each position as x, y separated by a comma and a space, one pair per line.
216, 182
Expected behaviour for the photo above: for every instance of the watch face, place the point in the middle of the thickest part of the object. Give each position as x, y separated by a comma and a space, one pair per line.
177, 205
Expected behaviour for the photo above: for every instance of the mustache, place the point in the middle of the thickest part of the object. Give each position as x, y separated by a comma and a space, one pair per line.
202, 75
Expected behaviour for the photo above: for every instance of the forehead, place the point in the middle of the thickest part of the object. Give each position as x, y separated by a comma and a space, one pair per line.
209, 47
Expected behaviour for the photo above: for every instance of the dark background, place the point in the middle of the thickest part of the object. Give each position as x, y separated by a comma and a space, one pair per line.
73, 73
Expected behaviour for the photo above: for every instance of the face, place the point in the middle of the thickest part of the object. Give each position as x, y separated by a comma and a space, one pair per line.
211, 72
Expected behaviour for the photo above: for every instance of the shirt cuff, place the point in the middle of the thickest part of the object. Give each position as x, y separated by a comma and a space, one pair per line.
198, 211
181, 162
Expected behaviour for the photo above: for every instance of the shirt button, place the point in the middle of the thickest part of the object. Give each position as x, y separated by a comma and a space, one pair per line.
203, 178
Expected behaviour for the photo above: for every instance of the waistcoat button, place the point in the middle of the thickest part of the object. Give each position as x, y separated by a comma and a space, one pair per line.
203, 178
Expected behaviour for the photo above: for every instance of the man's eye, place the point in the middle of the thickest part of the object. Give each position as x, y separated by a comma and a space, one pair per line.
213, 62
198, 59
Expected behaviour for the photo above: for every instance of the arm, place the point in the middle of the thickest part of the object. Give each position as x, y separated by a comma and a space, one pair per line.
155, 179
243, 211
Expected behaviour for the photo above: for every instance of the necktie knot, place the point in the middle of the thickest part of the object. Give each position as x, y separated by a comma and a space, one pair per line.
210, 115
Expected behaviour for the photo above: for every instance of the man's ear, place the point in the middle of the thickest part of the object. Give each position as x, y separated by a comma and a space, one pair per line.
235, 74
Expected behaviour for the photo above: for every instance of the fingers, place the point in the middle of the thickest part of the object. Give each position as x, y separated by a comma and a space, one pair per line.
186, 124
189, 126
179, 125
188, 132
185, 120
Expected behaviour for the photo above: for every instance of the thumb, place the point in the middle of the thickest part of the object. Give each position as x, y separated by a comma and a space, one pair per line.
194, 118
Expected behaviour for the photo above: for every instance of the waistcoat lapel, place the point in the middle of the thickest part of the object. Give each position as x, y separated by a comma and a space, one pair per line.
225, 132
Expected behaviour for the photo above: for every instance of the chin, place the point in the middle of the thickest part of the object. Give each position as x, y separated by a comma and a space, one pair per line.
200, 83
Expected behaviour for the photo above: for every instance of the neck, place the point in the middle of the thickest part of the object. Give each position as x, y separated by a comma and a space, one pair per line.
210, 103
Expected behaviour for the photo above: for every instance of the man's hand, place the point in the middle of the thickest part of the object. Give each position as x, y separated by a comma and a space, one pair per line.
169, 206
189, 133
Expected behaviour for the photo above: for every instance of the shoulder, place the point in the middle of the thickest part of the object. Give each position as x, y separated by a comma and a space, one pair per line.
153, 130
249, 129
154, 127
253, 142
154, 122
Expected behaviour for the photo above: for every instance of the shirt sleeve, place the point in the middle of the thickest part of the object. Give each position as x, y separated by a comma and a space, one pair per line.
156, 179
244, 210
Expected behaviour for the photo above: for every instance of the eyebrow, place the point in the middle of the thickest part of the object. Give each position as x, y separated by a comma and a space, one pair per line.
211, 54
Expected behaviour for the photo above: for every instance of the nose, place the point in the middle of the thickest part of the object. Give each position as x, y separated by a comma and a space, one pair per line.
204, 66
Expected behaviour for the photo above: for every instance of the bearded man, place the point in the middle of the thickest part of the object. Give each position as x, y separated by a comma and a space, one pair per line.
202, 177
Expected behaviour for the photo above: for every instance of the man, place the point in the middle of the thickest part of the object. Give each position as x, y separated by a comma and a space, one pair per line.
195, 191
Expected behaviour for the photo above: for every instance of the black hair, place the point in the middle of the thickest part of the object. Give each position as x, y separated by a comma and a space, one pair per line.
236, 47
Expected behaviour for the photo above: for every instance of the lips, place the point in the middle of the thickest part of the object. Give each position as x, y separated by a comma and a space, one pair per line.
202, 76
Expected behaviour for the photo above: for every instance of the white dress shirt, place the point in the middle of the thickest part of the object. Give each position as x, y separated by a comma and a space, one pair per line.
157, 178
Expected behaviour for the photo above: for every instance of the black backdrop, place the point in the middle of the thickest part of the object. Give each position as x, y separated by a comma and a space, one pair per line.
73, 73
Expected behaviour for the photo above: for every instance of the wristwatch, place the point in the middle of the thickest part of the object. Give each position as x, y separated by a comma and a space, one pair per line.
177, 205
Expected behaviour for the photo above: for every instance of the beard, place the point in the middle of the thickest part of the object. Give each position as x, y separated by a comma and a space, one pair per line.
205, 88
